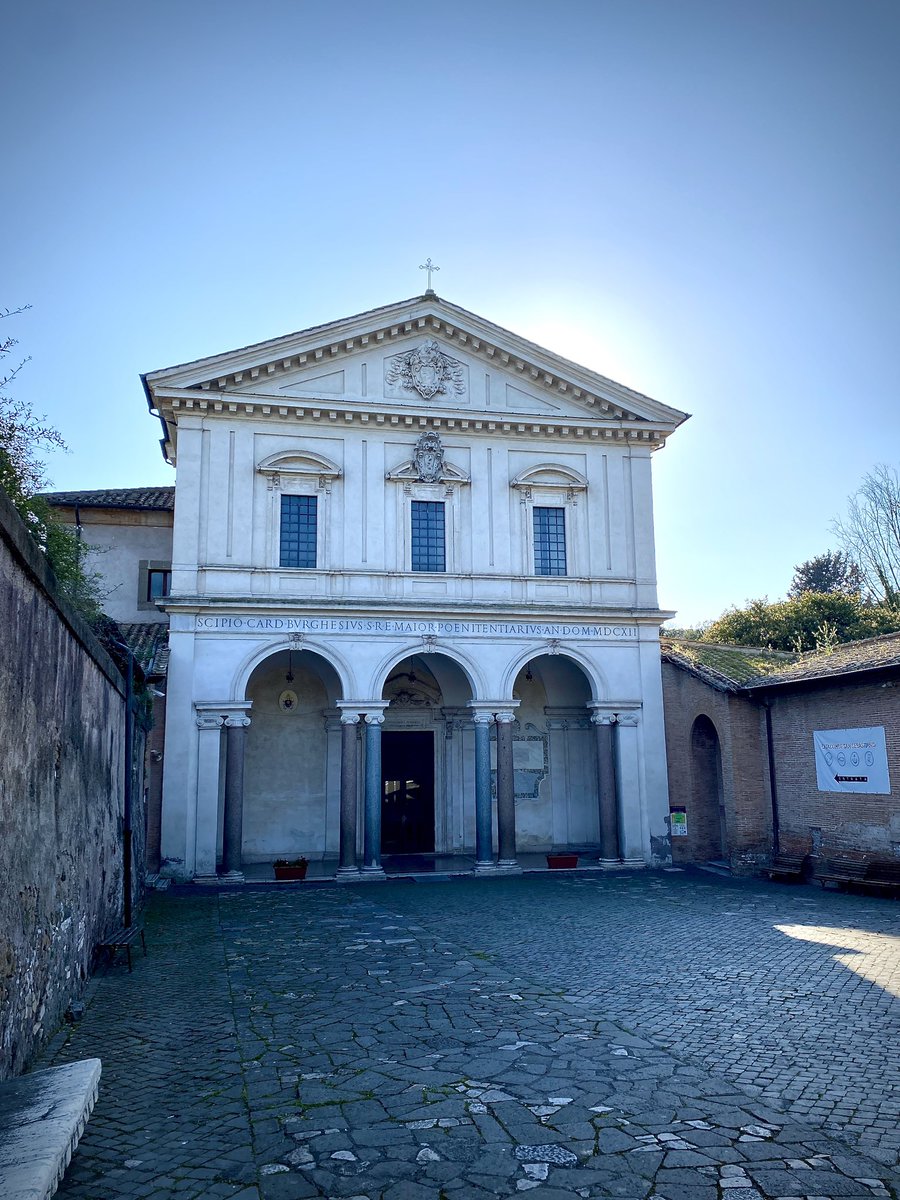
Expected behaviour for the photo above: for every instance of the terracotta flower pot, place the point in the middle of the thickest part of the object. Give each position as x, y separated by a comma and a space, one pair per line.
562, 862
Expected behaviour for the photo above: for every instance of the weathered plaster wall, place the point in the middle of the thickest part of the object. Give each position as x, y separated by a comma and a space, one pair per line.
61, 775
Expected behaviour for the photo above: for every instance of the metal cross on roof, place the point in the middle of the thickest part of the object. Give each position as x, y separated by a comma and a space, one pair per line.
429, 266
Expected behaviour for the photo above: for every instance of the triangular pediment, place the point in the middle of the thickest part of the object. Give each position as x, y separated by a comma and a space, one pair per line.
419, 354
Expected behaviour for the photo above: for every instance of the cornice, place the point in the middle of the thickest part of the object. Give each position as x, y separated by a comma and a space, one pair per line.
589, 614
337, 411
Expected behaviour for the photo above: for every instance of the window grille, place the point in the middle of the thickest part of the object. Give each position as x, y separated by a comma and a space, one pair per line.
428, 547
298, 531
549, 541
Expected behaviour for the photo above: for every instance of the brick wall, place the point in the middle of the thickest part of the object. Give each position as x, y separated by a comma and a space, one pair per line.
846, 821
745, 799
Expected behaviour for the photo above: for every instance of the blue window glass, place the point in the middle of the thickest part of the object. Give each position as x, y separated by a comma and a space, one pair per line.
428, 553
549, 541
298, 531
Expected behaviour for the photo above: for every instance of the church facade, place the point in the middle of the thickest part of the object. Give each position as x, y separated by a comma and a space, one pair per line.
413, 602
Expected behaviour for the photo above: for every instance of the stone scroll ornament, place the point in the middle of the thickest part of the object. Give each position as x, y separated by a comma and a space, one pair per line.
428, 371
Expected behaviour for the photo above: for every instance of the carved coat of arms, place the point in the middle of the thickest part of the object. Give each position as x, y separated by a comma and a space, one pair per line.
428, 371
429, 458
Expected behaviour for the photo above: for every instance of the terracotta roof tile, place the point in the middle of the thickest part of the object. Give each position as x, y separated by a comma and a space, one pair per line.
152, 497
847, 658
149, 643
725, 667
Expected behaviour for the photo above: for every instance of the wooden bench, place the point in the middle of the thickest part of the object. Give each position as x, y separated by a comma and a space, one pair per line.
123, 939
857, 871
787, 866
883, 874
842, 870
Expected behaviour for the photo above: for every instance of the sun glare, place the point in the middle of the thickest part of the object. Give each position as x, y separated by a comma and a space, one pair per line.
872, 956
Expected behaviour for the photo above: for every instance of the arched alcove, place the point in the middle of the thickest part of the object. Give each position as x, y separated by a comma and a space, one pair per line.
707, 831
554, 759
290, 802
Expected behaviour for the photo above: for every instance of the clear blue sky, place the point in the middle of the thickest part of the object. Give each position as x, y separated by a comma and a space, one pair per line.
698, 198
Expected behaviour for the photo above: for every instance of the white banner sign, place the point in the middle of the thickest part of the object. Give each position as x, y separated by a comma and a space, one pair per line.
852, 760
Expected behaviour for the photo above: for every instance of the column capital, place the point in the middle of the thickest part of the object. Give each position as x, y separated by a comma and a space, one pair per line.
349, 712
237, 721
349, 718
506, 716
374, 718
482, 711
209, 720
222, 711
605, 712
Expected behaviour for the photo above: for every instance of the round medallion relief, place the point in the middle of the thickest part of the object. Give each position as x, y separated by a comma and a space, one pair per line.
287, 700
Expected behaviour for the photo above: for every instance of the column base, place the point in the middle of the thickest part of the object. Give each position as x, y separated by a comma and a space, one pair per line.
368, 874
508, 866
489, 867
347, 874
610, 862
229, 877
206, 880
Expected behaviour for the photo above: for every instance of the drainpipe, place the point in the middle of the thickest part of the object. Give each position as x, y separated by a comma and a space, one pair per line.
773, 786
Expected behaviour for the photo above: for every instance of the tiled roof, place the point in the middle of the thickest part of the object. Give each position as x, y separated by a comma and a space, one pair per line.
847, 658
153, 497
149, 643
725, 667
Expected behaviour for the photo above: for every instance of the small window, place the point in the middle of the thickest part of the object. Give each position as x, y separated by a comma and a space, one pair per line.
158, 584
298, 531
428, 550
549, 541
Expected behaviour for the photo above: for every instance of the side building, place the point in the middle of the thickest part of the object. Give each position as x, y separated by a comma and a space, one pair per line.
413, 601
774, 753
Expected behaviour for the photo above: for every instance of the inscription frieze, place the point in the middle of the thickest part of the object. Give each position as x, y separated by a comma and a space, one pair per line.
427, 629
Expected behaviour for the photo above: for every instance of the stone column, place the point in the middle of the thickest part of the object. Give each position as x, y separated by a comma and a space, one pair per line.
209, 745
233, 822
506, 793
348, 867
372, 868
606, 724
484, 851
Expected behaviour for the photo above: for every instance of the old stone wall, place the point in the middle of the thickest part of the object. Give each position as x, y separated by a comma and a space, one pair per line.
810, 820
61, 798
742, 832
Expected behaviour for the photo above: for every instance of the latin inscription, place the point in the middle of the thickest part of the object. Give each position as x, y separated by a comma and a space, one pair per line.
371, 625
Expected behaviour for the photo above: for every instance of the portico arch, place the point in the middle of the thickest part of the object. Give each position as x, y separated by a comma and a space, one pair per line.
554, 754
466, 666
597, 682
261, 653
426, 746
291, 794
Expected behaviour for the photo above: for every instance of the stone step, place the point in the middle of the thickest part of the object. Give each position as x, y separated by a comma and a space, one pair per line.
42, 1116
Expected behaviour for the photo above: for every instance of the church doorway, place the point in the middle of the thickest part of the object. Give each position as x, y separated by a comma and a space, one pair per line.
407, 804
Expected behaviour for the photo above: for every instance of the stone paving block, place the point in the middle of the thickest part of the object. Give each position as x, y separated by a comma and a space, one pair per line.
239, 1040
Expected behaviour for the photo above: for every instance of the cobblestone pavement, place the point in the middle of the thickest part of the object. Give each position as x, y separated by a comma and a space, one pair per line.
491, 1038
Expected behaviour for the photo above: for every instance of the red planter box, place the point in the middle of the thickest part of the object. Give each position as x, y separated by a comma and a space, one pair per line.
562, 862
290, 870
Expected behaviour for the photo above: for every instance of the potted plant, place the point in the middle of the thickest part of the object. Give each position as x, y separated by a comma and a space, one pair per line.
562, 862
291, 868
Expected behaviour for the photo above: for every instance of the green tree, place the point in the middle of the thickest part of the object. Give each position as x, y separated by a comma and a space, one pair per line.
870, 533
811, 621
833, 571
23, 437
